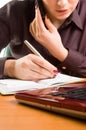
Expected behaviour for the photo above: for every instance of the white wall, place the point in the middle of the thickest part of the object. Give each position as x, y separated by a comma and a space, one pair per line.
2, 2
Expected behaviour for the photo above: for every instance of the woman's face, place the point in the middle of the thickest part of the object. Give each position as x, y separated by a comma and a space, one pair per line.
60, 9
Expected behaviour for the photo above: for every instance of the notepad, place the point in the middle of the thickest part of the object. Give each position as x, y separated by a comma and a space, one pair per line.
12, 86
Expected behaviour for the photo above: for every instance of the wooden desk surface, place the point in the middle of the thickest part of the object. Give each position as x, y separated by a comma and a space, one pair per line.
14, 116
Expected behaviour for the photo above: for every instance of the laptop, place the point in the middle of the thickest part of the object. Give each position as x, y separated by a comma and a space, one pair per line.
68, 99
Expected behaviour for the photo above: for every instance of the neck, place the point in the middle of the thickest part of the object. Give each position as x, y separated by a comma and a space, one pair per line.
56, 22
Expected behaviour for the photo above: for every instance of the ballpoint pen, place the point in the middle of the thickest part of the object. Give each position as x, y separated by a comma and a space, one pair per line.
32, 48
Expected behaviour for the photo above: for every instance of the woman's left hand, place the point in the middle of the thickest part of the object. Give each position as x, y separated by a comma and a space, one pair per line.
48, 36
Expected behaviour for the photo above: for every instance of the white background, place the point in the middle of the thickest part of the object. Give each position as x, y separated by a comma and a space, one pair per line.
2, 2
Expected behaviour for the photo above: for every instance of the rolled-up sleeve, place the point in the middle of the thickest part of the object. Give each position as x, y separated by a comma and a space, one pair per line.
75, 63
2, 63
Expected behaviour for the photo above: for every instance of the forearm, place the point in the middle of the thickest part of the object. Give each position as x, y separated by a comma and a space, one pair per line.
9, 68
74, 64
2, 66
29, 67
59, 53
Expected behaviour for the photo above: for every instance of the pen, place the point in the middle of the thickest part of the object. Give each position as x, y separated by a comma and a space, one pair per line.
32, 48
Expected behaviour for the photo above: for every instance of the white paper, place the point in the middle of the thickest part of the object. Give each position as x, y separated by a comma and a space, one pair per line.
10, 86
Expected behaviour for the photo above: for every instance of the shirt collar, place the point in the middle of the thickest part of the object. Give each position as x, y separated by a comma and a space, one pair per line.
75, 17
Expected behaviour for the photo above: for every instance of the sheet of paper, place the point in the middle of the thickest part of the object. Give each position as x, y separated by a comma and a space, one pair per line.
61, 79
10, 86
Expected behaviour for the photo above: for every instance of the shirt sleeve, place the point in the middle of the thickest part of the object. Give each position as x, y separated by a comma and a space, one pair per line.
2, 62
4, 36
13, 21
75, 64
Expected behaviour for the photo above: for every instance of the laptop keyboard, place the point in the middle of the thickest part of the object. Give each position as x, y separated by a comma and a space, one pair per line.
77, 93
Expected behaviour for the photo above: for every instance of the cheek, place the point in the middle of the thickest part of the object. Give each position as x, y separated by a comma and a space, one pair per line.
73, 3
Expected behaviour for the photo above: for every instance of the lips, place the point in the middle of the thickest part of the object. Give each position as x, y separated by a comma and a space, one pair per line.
62, 11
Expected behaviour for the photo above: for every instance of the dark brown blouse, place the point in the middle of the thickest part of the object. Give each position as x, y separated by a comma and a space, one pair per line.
15, 18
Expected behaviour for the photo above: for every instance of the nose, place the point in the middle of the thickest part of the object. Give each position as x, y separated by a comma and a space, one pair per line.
62, 3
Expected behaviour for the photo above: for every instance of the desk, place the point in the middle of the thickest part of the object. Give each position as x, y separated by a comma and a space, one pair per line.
14, 116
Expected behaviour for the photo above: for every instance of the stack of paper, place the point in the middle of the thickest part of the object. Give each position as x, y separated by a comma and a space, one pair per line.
11, 86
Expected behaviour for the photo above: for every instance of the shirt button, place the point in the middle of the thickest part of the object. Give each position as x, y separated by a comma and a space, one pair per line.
64, 68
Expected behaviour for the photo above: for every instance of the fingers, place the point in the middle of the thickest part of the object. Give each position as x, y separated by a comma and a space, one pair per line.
32, 28
39, 19
38, 29
37, 25
33, 67
38, 70
41, 24
41, 64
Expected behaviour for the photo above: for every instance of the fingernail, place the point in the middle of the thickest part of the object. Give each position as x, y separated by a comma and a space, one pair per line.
55, 72
47, 16
36, 6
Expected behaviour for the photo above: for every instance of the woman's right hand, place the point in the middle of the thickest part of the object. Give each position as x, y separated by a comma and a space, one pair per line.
29, 67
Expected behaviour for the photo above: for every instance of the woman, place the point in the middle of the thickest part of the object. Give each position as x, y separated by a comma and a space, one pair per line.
60, 39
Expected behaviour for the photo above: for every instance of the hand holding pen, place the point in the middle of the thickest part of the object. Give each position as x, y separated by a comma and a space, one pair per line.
30, 67
55, 71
